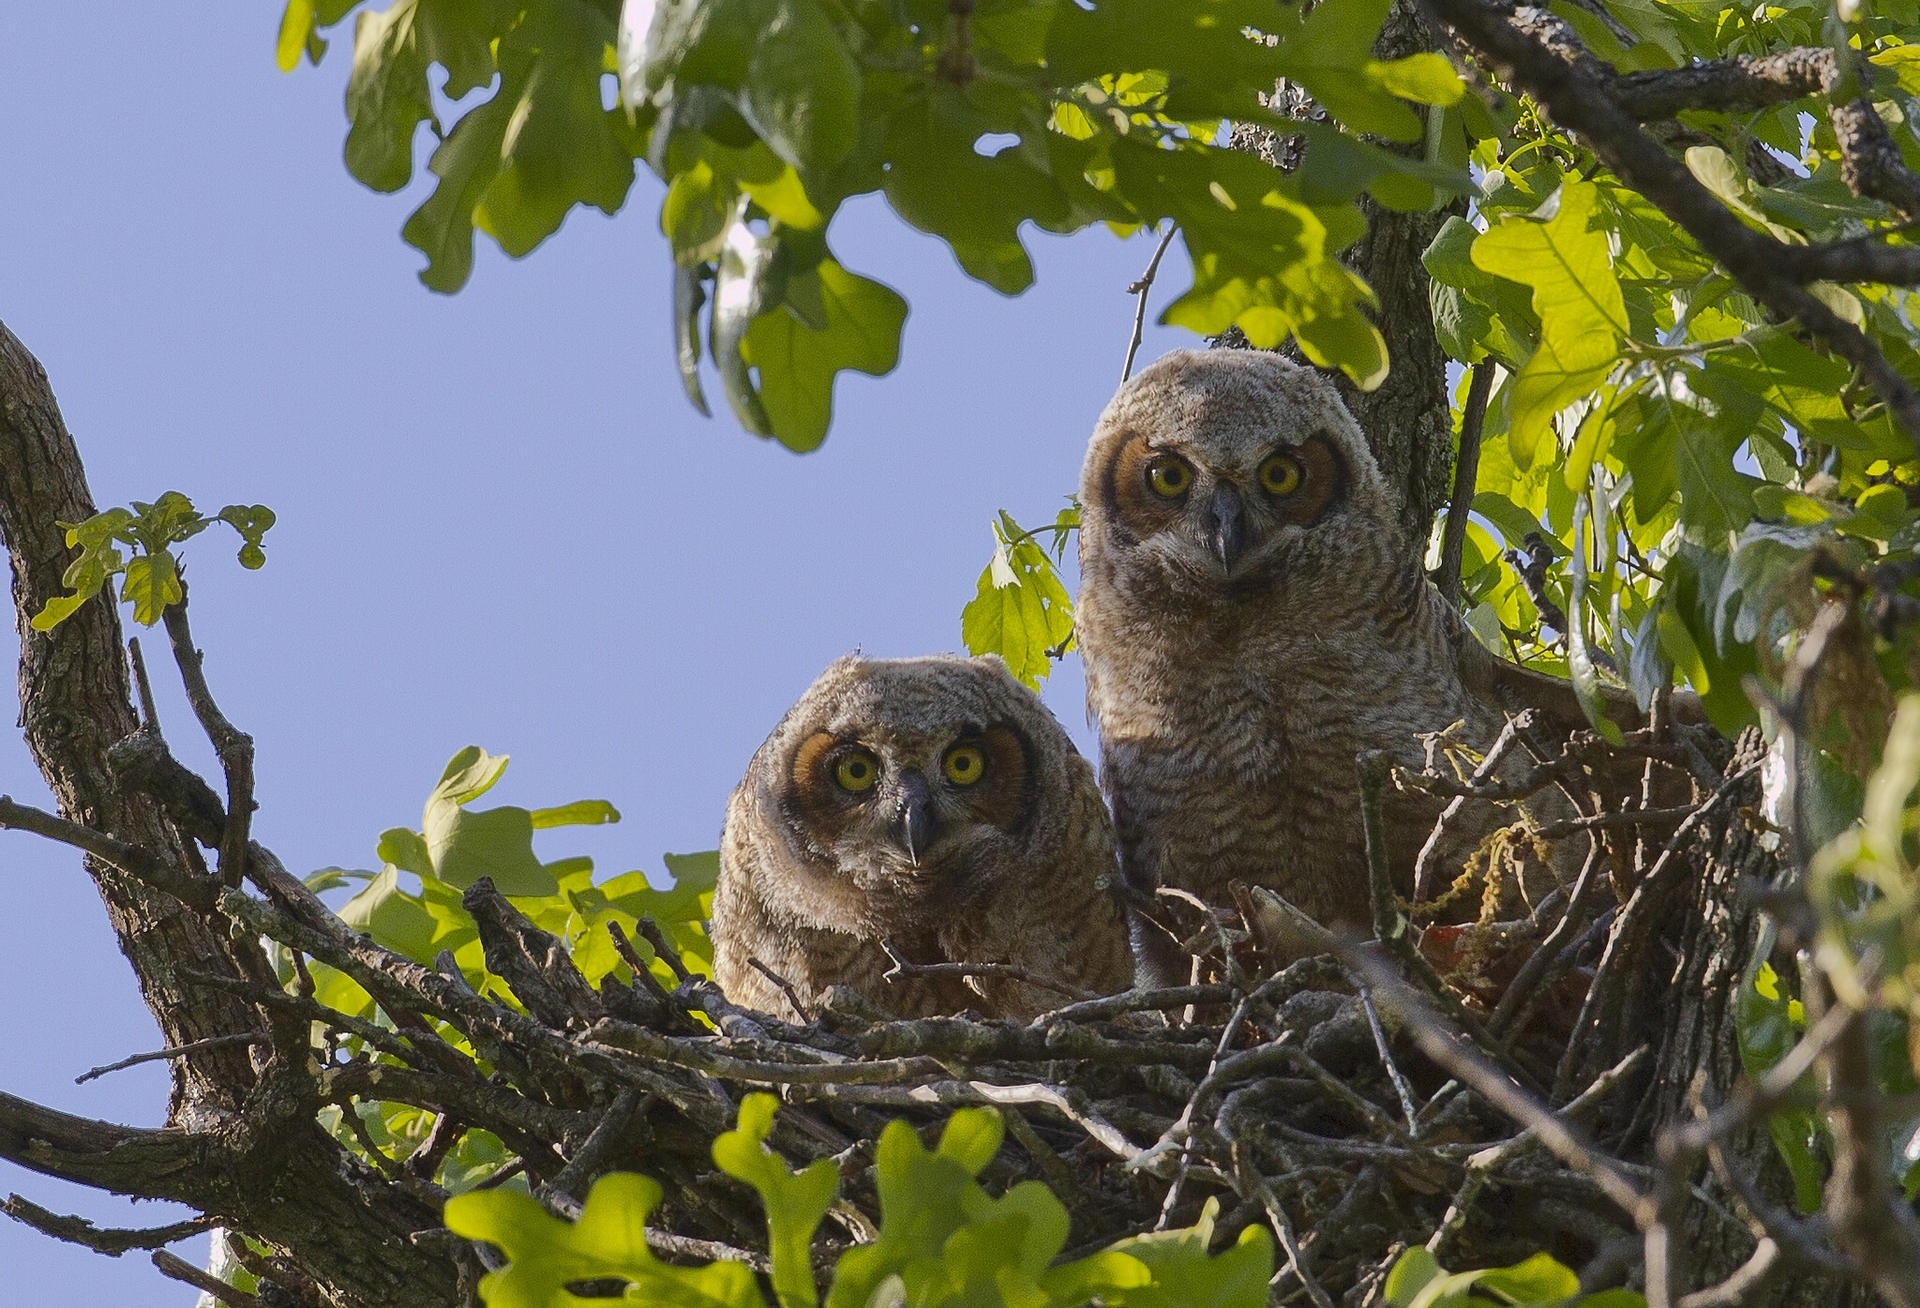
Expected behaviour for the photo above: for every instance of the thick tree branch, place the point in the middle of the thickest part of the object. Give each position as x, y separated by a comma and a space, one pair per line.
1744, 82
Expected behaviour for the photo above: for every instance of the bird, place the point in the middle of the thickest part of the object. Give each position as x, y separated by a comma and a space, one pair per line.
1251, 619
928, 806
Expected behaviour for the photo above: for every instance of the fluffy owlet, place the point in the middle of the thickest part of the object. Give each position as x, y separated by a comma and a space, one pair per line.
1251, 619
932, 803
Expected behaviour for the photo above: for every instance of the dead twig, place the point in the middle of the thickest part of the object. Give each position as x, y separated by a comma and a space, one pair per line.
1139, 290
1002, 971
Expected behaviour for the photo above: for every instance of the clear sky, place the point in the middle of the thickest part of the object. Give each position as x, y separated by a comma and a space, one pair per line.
500, 522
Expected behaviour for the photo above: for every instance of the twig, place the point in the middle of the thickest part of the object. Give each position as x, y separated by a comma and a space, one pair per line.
1390, 926
661, 948
177, 1051
137, 862
1135, 1001
109, 1241
1473, 1068
1386, 1060
1482, 1166
1628, 930
180, 1269
233, 746
1005, 971
786, 988
1509, 733
592, 1155
1250, 1179
149, 714
1466, 469
1140, 290
1534, 973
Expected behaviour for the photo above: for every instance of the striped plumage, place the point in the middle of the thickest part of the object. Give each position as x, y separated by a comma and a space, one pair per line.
1249, 625
933, 803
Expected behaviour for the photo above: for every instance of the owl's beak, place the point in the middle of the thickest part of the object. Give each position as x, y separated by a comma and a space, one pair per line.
914, 825
1227, 534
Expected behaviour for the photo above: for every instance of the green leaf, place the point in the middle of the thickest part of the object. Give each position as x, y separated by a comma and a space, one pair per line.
1021, 609
1185, 1277
1412, 1272
798, 364
803, 88
795, 1201
405, 850
1262, 260
496, 842
545, 1254
971, 1138
468, 775
580, 813
152, 583
252, 521
1541, 1279
938, 182
559, 148
392, 917
1577, 296
466, 163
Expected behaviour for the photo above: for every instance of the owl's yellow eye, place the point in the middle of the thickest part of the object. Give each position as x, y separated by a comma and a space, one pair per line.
1169, 477
965, 765
1281, 475
856, 772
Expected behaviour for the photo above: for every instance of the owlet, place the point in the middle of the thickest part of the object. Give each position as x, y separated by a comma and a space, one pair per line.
1251, 619
933, 804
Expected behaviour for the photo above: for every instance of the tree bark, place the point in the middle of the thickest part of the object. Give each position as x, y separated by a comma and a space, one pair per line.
242, 1143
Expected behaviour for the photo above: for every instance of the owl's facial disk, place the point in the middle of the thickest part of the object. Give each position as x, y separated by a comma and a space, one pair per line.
926, 804
1221, 512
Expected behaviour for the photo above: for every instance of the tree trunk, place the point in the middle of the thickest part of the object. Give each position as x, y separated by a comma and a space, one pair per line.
1408, 420
242, 1143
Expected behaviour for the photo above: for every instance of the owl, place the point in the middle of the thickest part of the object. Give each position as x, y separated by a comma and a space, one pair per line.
1251, 619
929, 804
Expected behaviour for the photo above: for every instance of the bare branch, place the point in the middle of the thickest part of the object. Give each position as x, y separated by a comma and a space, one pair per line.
181, 1270
178, 1051
233, 746
1002, 971
1140, 291
107, 1240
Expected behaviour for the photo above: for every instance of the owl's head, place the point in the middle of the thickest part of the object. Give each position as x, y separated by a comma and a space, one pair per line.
911, 780
1220, 470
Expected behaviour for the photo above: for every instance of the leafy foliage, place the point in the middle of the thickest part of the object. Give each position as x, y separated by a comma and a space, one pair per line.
763, 117
150, 575
1022, 611
458, 845
1418, 1281
942, 1240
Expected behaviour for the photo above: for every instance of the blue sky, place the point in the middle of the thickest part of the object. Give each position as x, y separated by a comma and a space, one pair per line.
500, 522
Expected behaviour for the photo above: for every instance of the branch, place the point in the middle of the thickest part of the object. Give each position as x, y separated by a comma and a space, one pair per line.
1140, 290
1005, 971
1466, 471
141, 864
181, 1270
234, 747
178, 1051
128, 1160
1743, 82
109, 1241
